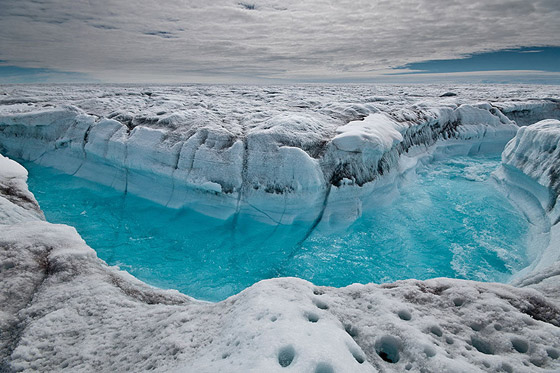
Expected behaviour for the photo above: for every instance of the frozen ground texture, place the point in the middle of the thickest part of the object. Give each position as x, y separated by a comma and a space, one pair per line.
64, 309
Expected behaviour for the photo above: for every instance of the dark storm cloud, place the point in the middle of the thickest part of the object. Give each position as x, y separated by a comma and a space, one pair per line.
181, 39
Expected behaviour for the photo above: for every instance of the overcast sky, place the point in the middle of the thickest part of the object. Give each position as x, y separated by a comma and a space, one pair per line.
262, 40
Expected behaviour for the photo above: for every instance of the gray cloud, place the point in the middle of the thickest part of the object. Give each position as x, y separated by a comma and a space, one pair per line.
182, 40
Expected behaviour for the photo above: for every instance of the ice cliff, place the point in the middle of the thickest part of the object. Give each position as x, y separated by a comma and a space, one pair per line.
63, 309
530, 173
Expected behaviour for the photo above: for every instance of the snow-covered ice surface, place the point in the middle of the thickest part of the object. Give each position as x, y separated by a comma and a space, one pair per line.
285, 153
16, 202
530, 173
279, 153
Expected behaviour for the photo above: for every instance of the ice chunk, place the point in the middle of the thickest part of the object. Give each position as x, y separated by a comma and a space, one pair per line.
373, 136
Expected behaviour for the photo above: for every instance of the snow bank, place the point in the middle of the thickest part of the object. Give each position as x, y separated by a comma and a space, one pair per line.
16, 202
530, 174
535, 151
373, 136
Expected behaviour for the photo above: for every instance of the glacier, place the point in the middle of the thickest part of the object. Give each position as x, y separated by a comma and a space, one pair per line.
280, 155
320, 154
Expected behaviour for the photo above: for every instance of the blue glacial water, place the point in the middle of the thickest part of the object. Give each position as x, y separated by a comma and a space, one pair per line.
449, 220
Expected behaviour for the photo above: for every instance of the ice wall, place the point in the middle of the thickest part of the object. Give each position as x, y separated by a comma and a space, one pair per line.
280, 167
529, 112
535, 151
277, 153
531, 175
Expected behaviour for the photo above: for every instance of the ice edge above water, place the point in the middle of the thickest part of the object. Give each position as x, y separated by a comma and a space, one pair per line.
279, 165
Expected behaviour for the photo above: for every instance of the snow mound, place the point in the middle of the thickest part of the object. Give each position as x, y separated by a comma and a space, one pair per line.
65, 310
16, 202
530, 173
373, 136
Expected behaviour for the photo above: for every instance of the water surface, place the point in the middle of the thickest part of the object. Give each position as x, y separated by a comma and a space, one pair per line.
449, 220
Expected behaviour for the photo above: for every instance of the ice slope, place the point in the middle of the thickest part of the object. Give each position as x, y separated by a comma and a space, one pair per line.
16, 202
278, 153
530, 174
64, 310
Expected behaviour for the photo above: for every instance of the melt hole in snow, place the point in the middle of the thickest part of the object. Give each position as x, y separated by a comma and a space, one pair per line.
388, 348
482, 346
357, 354
312, 317
507, 368
476, 327
436, 330
429, 351
537, 362
458, 302
320, 304
324, 368
520, 345
404, 315
286, 355
351, 330
553, 353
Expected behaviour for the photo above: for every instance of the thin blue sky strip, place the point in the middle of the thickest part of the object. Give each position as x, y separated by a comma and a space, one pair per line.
529, 58
15, 74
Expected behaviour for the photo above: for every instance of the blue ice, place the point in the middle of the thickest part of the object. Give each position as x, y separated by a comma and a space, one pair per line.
448, 220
